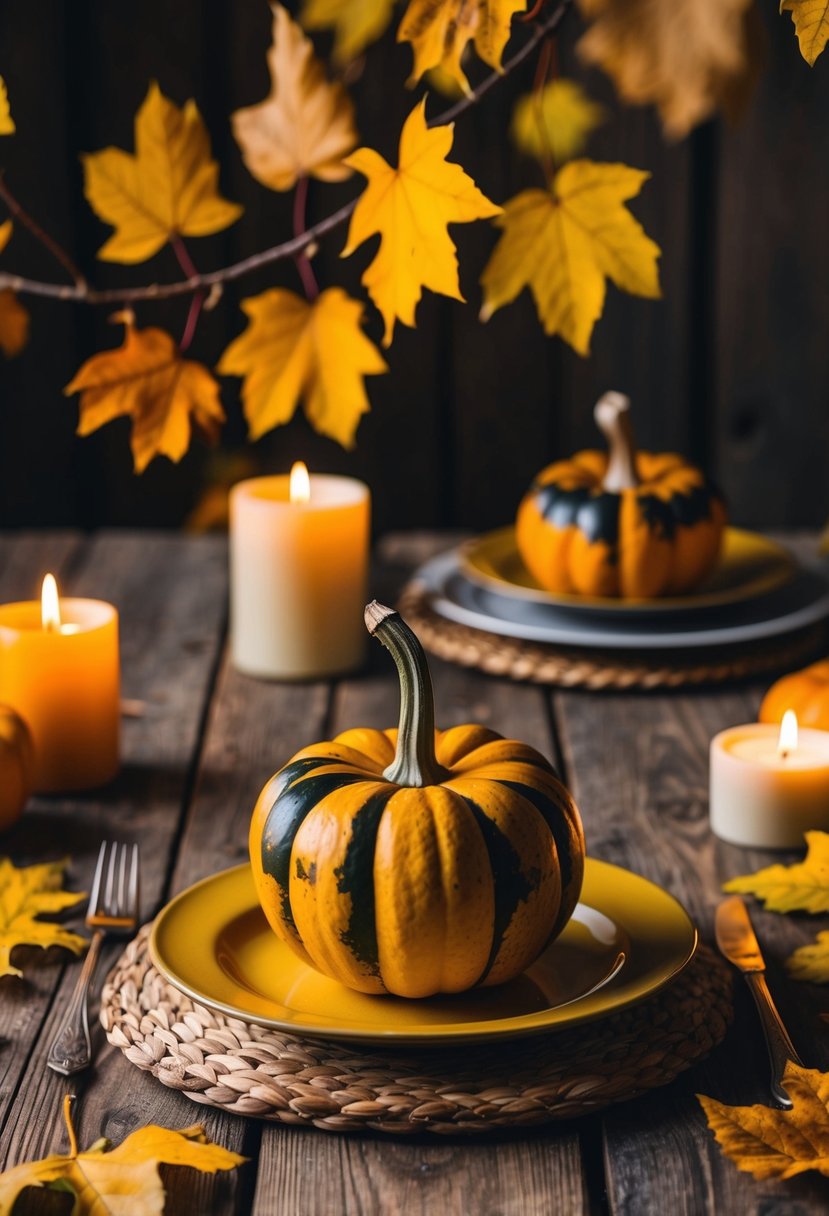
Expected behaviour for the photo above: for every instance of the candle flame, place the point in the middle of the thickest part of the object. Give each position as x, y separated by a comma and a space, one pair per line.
788, 734
300, 485
50, 605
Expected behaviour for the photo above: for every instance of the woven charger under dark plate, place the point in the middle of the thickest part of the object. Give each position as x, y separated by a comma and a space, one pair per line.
249, 1070
599, 670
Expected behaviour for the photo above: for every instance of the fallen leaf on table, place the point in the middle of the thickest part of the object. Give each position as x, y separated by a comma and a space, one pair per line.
771, 1143
684, 56
7, 126
439, 31
811, 23
411, 206
811, 963
147, 380
6, 229
356, 23
169, 187
556, 122
26, 894
802, 887
296, 350
14, 323
305, 126
123, 1181
563, 243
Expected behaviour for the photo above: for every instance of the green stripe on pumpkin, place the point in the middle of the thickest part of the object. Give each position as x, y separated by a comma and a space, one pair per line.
512, 885
355, 877
286, 817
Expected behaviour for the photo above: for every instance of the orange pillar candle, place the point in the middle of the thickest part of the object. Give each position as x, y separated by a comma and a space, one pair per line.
59, 669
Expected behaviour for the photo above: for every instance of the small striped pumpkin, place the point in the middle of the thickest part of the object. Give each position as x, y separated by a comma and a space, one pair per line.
623, 523
415, 861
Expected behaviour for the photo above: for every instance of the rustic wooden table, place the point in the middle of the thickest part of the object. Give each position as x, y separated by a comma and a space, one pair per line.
194, 761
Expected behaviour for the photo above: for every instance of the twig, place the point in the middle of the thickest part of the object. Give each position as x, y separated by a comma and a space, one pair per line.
189, 267
303, 262
56, 250
82, 293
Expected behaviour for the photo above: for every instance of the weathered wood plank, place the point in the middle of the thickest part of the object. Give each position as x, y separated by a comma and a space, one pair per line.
638, 766
170, 592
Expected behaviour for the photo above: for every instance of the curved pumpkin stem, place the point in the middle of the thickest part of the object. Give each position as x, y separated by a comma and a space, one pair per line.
415, 762
612, 415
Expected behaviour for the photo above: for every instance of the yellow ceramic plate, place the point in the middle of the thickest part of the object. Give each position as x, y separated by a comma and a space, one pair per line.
750, 565
627, 938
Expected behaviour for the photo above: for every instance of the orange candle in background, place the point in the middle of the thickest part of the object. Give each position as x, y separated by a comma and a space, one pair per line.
59, 669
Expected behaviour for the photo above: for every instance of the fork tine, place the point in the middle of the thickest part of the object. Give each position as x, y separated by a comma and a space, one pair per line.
109, 895
96, 881
134, 888
121, 901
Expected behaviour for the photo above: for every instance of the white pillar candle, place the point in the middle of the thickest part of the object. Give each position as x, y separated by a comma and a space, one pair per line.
298, 574
769, 785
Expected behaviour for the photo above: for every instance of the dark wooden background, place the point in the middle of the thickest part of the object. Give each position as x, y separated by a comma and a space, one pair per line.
731, 367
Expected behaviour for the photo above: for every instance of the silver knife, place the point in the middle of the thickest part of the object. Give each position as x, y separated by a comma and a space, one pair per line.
736, 940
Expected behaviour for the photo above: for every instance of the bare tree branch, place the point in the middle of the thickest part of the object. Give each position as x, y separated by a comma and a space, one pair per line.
80, 292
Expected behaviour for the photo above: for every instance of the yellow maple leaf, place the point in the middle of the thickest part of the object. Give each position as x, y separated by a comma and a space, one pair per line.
14, 324
562, 244
411, 206
772, 1143
305, 126
26, 894
802, 887
7, 126
811, 962
555, 123
126, 1179
683, 56
356, 23
146, 379
294, 350
439, 31
811, 23
168, 188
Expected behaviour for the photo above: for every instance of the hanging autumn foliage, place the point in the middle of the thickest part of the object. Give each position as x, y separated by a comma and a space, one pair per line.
562, 238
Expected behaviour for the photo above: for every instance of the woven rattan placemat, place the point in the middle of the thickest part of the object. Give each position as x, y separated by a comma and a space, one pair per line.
571, 667
247, 1069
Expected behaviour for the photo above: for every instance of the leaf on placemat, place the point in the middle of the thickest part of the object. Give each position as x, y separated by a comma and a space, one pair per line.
296, 350
169, 187
7, 126
147, 380
771, 1143
124, 1180
811, 963
684, 56
563, 243
802, 887
305, 126
6, 229
440, 30
26, 894
811, 23
555, 123
411, 206
356, 23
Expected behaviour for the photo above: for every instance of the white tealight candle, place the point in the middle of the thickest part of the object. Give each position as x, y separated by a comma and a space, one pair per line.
769, 785
298, 573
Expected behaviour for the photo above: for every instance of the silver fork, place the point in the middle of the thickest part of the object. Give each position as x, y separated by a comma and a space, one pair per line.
113, 909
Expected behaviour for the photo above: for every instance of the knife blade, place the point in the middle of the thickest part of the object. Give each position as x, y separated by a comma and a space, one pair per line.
738, 943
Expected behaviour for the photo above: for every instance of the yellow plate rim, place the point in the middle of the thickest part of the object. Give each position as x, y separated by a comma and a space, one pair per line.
618, 994
472, 552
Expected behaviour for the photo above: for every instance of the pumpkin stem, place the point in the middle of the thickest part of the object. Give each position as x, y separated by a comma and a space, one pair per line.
415, 762
612, 415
